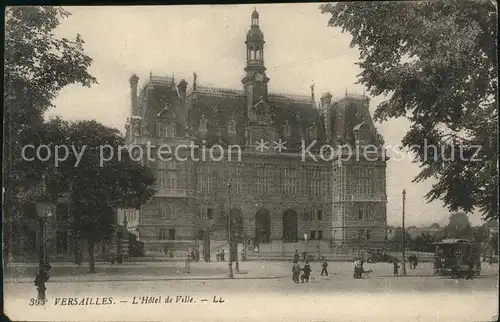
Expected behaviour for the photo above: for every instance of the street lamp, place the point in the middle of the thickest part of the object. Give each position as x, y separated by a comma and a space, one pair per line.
404, 231
230, 261
44, 210
305, 239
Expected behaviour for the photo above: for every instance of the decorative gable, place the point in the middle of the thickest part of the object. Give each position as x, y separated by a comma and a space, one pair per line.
261, 113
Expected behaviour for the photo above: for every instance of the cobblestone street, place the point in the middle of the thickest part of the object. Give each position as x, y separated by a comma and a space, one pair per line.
337, 297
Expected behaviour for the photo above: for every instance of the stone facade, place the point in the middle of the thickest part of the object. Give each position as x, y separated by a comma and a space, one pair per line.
273, 195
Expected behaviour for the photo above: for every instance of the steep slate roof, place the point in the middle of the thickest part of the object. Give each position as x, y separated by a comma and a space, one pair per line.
218, 105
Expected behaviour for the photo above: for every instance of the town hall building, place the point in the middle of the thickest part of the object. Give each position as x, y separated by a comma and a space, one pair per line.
275, 196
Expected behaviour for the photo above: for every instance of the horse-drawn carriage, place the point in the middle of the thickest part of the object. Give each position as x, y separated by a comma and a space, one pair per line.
457, 258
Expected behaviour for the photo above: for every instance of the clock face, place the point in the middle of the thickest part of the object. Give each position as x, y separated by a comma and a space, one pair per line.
259, 77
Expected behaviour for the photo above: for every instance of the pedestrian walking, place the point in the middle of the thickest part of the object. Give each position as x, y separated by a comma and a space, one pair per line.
295, 272
306, 272
470, 268
222, 255
324, 267
318, 254
296, 256
357, 268
187, 265
415, 261
395, 267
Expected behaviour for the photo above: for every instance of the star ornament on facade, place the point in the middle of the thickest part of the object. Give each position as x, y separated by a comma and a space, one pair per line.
261, 145
280, 145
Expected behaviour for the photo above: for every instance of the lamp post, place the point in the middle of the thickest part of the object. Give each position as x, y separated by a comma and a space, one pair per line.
305, 239
230, 261
404, 231
44, 211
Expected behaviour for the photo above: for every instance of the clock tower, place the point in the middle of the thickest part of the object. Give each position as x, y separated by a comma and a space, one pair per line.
255, 80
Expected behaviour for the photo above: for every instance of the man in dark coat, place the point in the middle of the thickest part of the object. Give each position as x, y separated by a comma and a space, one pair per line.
296, 271
324, 267
307, 272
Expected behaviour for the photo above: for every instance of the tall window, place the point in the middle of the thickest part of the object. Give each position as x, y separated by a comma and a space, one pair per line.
167, 174
364, 211
62, 242
290, 181
365, 179
319, 215
62, 211
162, 234
313, 177
235, 177
264, 180
168, 211
204, 178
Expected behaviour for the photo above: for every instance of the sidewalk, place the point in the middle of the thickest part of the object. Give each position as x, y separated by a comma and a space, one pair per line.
67, 272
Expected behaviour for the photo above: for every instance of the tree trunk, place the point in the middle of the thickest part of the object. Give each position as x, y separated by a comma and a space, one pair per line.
91, 255
76, 249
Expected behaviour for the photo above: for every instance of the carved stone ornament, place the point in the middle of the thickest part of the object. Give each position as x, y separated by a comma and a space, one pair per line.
231, 126
287, 130
203, 124
313, 131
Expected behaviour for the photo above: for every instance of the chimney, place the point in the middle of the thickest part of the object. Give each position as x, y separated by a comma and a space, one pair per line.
133, 94
194, 81
182, 87
326, 99
312, 92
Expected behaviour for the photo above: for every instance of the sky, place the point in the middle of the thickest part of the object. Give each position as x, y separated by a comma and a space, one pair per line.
300, 50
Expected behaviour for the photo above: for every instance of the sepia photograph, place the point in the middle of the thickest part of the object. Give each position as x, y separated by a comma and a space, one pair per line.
251, 162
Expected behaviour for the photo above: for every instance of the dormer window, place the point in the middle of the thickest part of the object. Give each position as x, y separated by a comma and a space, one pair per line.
170, 130
203, 124
231, 126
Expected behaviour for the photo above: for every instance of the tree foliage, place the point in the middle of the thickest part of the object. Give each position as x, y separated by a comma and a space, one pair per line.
97, 188
459, 227
436, 61
37, 65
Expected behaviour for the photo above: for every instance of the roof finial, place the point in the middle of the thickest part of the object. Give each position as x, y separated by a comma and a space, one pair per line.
346, 93
194, 80
150, 74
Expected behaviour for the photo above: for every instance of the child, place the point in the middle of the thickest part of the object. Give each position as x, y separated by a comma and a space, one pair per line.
296, 272
307, 272
324, 265
396, 267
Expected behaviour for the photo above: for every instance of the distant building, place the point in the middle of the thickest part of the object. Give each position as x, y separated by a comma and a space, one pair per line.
433, 230
274, 196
